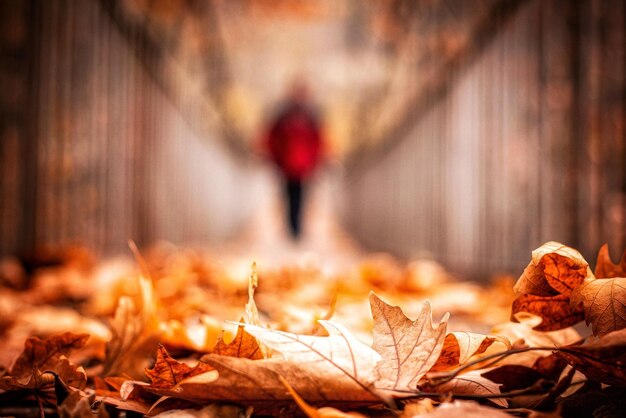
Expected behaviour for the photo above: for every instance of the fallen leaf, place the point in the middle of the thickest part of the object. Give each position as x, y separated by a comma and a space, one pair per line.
605, 268
210, 411
604, 303
168, 372
465, 409
78, 405
243, 345
460, 346
408, 349
554, 269
471, 383
312, 412
602, 360
133, 329
49, 355
339, 355
556, 312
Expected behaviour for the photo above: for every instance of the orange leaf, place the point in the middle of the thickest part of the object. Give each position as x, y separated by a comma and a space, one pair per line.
605, 267
168, 372
555, 311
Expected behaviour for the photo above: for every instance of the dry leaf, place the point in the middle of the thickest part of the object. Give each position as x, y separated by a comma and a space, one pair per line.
339, 355
168, 372
602, 360
408, 348
556, 312
459, 347
49, 355
472, 383
312, 412
605, 268
243, 345
77, 405
554, 269
132, 330
604, 303
211, 411
465, 409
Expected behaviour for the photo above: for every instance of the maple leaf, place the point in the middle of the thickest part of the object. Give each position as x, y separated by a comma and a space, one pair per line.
408, 349
604, 303
556, 312
49, 355
605, 267
459, 347
243, 345
554, 269
168, 372
603, 359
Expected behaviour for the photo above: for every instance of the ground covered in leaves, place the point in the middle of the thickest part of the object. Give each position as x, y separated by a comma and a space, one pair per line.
177, 333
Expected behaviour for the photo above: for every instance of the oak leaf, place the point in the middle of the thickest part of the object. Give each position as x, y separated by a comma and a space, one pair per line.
602, 360
408, 349
603, 302
605, 268
243, 345
554, 269
460, 346
168, 372
49, 355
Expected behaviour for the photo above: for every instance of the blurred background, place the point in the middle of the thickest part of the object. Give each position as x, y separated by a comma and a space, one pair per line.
467, 132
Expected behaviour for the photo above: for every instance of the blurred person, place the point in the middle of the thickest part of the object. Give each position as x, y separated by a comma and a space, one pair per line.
294, 142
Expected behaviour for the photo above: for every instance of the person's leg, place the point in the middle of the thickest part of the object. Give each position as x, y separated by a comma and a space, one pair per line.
294, 193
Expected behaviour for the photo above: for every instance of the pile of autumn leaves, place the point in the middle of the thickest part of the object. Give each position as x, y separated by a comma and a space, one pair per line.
412, 369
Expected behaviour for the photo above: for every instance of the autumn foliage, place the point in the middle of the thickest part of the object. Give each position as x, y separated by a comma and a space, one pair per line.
160, 349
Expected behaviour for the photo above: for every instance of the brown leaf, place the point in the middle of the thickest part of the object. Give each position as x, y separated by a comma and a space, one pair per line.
513, 376
602, 360
78, 405
554, 269
168, 372
604, 303
605, 269
459, 347
312, 412
472, 383
408, 348
555, 311
243, 345
49, 355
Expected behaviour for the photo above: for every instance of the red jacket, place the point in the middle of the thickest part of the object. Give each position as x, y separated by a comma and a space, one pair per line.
294, 142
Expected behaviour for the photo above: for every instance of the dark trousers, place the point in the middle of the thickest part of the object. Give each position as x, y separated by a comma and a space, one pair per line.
294, 195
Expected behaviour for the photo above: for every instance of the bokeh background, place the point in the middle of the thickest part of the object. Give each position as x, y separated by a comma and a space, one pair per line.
468, 132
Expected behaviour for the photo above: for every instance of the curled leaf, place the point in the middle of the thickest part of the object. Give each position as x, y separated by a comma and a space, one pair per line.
554, 269
555, 311
459, 347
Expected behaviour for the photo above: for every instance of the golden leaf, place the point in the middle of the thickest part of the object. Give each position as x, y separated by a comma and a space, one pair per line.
604, 303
